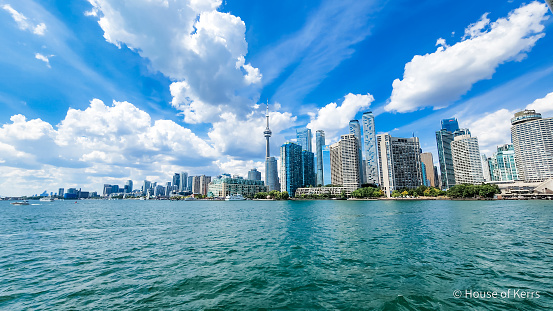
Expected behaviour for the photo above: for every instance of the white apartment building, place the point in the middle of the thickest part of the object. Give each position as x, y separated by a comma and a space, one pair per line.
467, 161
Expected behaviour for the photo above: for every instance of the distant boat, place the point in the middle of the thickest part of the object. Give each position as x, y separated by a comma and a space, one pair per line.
235, 197
190, 199
47, 199
20, 203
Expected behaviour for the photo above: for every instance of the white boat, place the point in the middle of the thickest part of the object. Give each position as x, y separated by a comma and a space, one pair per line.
235, 197
190, 199
47, 199
20, 203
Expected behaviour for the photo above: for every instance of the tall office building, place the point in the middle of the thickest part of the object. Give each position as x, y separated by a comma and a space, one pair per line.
344, 162
189, 182
355, 129
308, 168
467, 161
176, 179
502, 164
444, 138
183, 186
291, 169
532, 138
271, 167
400, 163
61, 192
428, 161
319, 144
146, 187
370, 146
304, 139
128, 187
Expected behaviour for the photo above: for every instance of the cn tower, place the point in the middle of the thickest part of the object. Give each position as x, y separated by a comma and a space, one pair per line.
267, 133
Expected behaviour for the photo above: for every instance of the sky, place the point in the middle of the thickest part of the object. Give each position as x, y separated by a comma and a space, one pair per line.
97, 92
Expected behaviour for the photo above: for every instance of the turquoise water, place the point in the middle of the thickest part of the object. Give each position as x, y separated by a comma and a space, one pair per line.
334, 255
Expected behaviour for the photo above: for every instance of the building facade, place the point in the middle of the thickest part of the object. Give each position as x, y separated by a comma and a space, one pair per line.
370, 147
355, 129
532, 138
467, 161
304, 139
444, 138
254, 174
428, 161
502, 164
183, 186
291, 168
400, 163
222, 187
308, 168
319, 144
344, 162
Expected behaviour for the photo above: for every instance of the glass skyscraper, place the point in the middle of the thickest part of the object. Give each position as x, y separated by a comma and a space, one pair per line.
370, 146
291, 170
450, 125
319, 144
308, 171
444, 138
304, 139
502, 165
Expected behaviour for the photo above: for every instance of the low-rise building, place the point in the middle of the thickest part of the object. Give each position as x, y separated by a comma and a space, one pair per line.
222, 187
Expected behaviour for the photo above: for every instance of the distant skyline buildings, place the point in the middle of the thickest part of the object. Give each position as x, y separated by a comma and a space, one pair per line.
502, 164
254, 174
428, 161
467, 161
291, 170
344, 162
355, 129
444, 138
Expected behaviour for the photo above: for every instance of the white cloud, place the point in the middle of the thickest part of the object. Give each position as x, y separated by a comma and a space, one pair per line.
239, 167
202, 49
23, 23
542, 105
43, 58
100, 143
440, 78
333, 118
492, 130
244, 138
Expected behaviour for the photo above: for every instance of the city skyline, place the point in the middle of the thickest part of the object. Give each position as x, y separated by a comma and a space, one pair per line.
86, 105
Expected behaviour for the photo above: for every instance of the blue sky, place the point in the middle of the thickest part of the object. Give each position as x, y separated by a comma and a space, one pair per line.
102, 91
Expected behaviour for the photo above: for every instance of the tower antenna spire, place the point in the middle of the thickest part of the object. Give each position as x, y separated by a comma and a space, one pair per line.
267, 133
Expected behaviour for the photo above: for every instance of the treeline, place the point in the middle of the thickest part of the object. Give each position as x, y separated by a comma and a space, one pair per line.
273, 194
420, 191
473, 191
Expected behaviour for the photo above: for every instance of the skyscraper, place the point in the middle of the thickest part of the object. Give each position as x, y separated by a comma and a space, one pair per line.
304, 139
355, 129
183, 186
486, 168
344, 162
444, 137
450, 125
291, 170
146, 187
204, 182
254, 174
176, 179
319, 143
189, 182
502, 164
271, 167
532, 138
128, 187
467, 162
308, 168
372, 174
400, 163
428, 161
196, 185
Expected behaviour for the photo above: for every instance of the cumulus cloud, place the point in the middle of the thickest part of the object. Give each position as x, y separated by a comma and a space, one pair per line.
23, 23
244, 138
437, 79
492, 130
201, 49
100, 143
333, 118
542, 105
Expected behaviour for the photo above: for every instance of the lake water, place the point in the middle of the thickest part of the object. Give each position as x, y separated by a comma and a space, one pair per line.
334, 255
